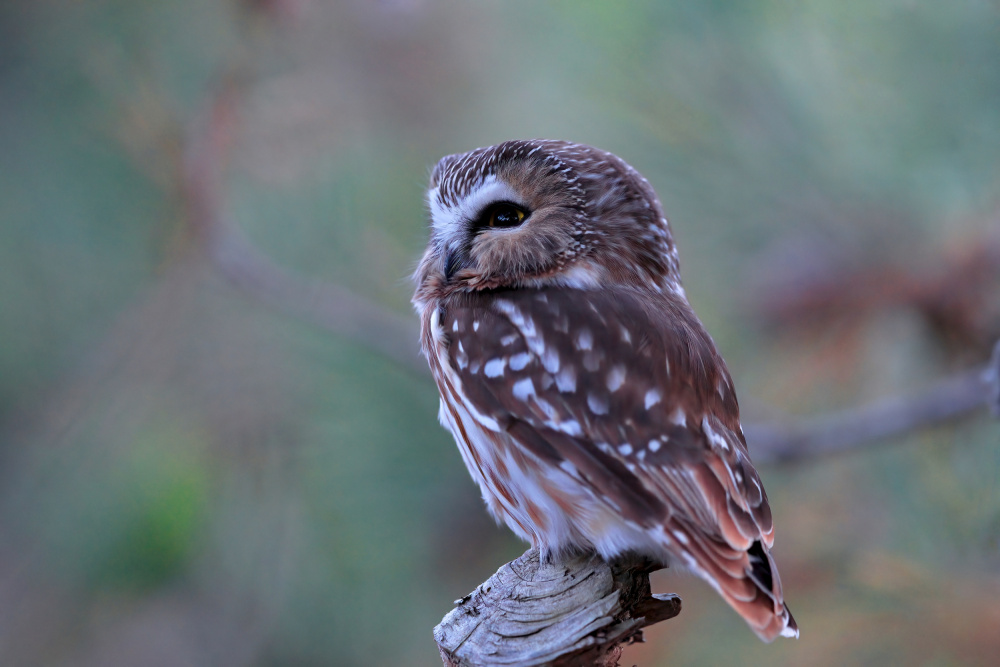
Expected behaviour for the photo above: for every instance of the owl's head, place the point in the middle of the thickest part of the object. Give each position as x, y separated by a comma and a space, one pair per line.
539, 212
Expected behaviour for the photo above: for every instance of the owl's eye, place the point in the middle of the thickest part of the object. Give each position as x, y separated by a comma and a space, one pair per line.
502, 215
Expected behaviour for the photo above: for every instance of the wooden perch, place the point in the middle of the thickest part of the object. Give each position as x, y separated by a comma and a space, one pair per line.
581, 611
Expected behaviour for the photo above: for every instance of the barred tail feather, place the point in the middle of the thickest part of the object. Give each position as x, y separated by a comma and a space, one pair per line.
746, 579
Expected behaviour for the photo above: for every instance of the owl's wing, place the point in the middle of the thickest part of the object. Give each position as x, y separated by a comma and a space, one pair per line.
633, 395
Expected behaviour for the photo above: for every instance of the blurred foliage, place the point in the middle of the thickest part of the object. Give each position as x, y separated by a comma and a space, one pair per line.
188, 478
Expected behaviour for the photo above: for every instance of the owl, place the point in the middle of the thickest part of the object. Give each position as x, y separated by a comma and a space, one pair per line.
586, 398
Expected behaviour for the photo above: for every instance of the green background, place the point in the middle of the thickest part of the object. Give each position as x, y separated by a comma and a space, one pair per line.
188, 477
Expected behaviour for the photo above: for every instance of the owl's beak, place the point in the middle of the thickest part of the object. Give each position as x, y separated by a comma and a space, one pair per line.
454, 261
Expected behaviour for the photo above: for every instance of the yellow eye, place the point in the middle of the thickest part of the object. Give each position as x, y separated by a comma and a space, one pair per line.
504, 215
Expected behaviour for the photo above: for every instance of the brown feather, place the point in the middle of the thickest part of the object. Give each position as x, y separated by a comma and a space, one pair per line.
588, 400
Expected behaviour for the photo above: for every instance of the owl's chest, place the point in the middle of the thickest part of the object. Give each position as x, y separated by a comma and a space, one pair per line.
485, 449
529, 495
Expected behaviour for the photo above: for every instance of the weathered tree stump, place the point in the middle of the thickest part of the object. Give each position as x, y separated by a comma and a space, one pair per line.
581, 611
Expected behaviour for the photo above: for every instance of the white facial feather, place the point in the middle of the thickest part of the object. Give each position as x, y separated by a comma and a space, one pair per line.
449, 222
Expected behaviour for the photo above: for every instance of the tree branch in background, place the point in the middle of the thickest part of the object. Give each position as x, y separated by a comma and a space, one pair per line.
323, 304
954, 290
945, 401
582, 611
346, 314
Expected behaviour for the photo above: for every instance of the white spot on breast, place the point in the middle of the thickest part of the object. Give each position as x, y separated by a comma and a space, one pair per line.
494, 367
652, 398
654, 445
528, 328
475, 325
566, 379
616, 377
474, 367
509, 309
625, 449
597, 404
592, 361
714, 436
454, 326
550, 359
546, 408
525, 325
678, 417
509, 339
626, 336
569, 467
519, 361
522, 389
584, 339
570, 427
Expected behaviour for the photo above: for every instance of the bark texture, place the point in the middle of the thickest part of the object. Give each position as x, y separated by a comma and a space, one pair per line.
581, 611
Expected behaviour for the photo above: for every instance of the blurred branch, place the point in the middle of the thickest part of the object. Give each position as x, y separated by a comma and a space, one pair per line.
945, 401
326, 305
582, 611
344, 313
954, 290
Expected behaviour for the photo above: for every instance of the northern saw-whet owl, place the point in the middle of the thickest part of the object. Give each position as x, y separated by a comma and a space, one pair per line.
586, 398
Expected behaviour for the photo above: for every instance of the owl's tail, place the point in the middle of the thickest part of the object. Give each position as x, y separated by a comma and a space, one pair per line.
757, 597
747, 579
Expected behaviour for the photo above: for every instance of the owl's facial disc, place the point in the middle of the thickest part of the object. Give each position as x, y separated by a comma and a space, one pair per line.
451, 223
541, 213
497, 217
491, 210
